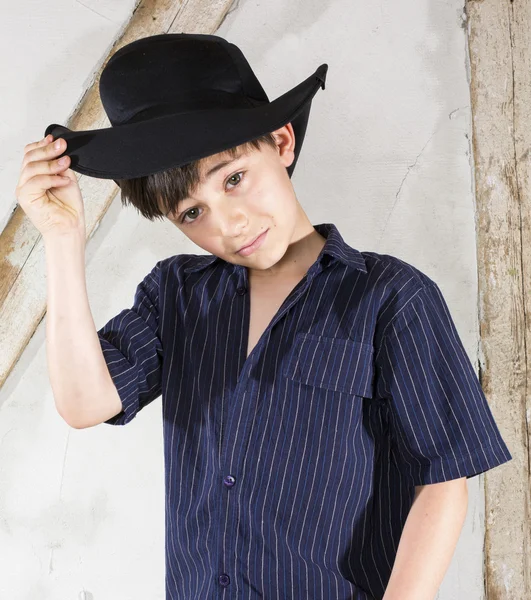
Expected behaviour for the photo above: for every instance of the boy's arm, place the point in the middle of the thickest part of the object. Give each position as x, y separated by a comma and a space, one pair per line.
441, 430
428, 540
83, 390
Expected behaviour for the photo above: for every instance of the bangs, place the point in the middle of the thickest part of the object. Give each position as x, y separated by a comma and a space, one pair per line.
156, 195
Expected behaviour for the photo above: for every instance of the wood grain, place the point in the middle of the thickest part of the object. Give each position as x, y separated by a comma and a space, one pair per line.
500, 67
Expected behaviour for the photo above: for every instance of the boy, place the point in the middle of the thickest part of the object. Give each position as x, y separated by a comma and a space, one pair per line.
320, 414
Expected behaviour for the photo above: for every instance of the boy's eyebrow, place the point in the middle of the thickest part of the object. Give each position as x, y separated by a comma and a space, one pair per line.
220, 165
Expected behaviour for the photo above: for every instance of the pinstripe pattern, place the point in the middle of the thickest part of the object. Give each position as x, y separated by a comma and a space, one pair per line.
358, 390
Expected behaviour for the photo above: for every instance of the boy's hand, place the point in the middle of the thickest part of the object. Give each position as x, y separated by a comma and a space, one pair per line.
48, 192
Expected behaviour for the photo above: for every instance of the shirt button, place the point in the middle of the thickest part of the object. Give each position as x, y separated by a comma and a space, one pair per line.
229, 481
241, 291
224, 579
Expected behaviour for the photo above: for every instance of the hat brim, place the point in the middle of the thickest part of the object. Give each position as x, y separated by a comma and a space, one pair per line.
146, 147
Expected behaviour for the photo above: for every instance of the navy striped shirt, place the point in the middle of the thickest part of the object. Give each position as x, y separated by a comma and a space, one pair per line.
289, 474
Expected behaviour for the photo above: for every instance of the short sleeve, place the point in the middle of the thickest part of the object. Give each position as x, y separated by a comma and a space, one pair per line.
440, 423
133, 351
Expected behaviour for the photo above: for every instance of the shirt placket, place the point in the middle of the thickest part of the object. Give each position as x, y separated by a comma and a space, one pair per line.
237, 426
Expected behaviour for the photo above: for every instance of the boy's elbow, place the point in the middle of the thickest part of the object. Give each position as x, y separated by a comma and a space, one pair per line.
69, 420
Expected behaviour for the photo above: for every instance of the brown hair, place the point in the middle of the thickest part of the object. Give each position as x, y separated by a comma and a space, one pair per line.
154, 196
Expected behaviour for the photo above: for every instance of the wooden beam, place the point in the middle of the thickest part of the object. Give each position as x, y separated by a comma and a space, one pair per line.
22, 258
500, 61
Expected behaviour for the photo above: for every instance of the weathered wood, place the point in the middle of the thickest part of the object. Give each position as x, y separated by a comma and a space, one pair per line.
22, 258
500, 62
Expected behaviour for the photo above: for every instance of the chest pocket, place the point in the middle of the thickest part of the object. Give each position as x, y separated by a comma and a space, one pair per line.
335, 364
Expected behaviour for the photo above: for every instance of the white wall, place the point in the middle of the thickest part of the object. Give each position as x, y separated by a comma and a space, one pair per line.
386, 158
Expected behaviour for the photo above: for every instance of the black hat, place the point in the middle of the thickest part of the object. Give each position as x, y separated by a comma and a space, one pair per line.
177, 97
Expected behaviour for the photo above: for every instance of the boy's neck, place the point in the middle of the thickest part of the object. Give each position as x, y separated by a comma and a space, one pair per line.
299, 257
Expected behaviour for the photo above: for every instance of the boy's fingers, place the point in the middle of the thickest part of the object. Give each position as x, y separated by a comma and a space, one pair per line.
42, 142
42, 150
33, 145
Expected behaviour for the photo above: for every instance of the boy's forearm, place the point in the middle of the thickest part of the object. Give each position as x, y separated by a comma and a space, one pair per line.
76, 364
428, 540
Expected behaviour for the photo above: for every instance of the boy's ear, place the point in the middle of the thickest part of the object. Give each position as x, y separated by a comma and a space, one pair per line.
285, 138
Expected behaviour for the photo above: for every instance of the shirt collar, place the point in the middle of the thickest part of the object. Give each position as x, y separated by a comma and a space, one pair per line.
334, 246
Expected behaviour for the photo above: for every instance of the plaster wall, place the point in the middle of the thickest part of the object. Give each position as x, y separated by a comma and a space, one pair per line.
386, 158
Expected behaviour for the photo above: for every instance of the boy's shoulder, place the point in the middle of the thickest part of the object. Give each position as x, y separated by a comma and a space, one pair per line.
389, 270
186, 263
395, 289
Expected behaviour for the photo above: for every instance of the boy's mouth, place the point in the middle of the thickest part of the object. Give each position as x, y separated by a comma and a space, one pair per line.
253, 245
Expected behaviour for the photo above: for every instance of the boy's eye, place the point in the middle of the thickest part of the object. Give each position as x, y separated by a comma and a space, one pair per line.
232, 181
235, 179
186, 213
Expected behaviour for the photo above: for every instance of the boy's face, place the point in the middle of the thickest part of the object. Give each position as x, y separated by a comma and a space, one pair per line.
241, 200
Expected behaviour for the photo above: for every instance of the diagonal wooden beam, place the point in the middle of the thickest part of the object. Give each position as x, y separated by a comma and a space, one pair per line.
500, 69
22, 257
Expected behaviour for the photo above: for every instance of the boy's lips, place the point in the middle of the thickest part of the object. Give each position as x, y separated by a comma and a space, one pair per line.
258, 238
251, 242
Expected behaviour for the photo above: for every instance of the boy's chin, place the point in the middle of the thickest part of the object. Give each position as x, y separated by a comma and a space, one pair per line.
261, 263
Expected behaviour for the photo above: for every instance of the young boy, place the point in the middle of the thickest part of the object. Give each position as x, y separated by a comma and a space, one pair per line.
320, 414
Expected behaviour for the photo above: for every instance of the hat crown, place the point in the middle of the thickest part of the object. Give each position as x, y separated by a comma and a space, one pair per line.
174, 73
